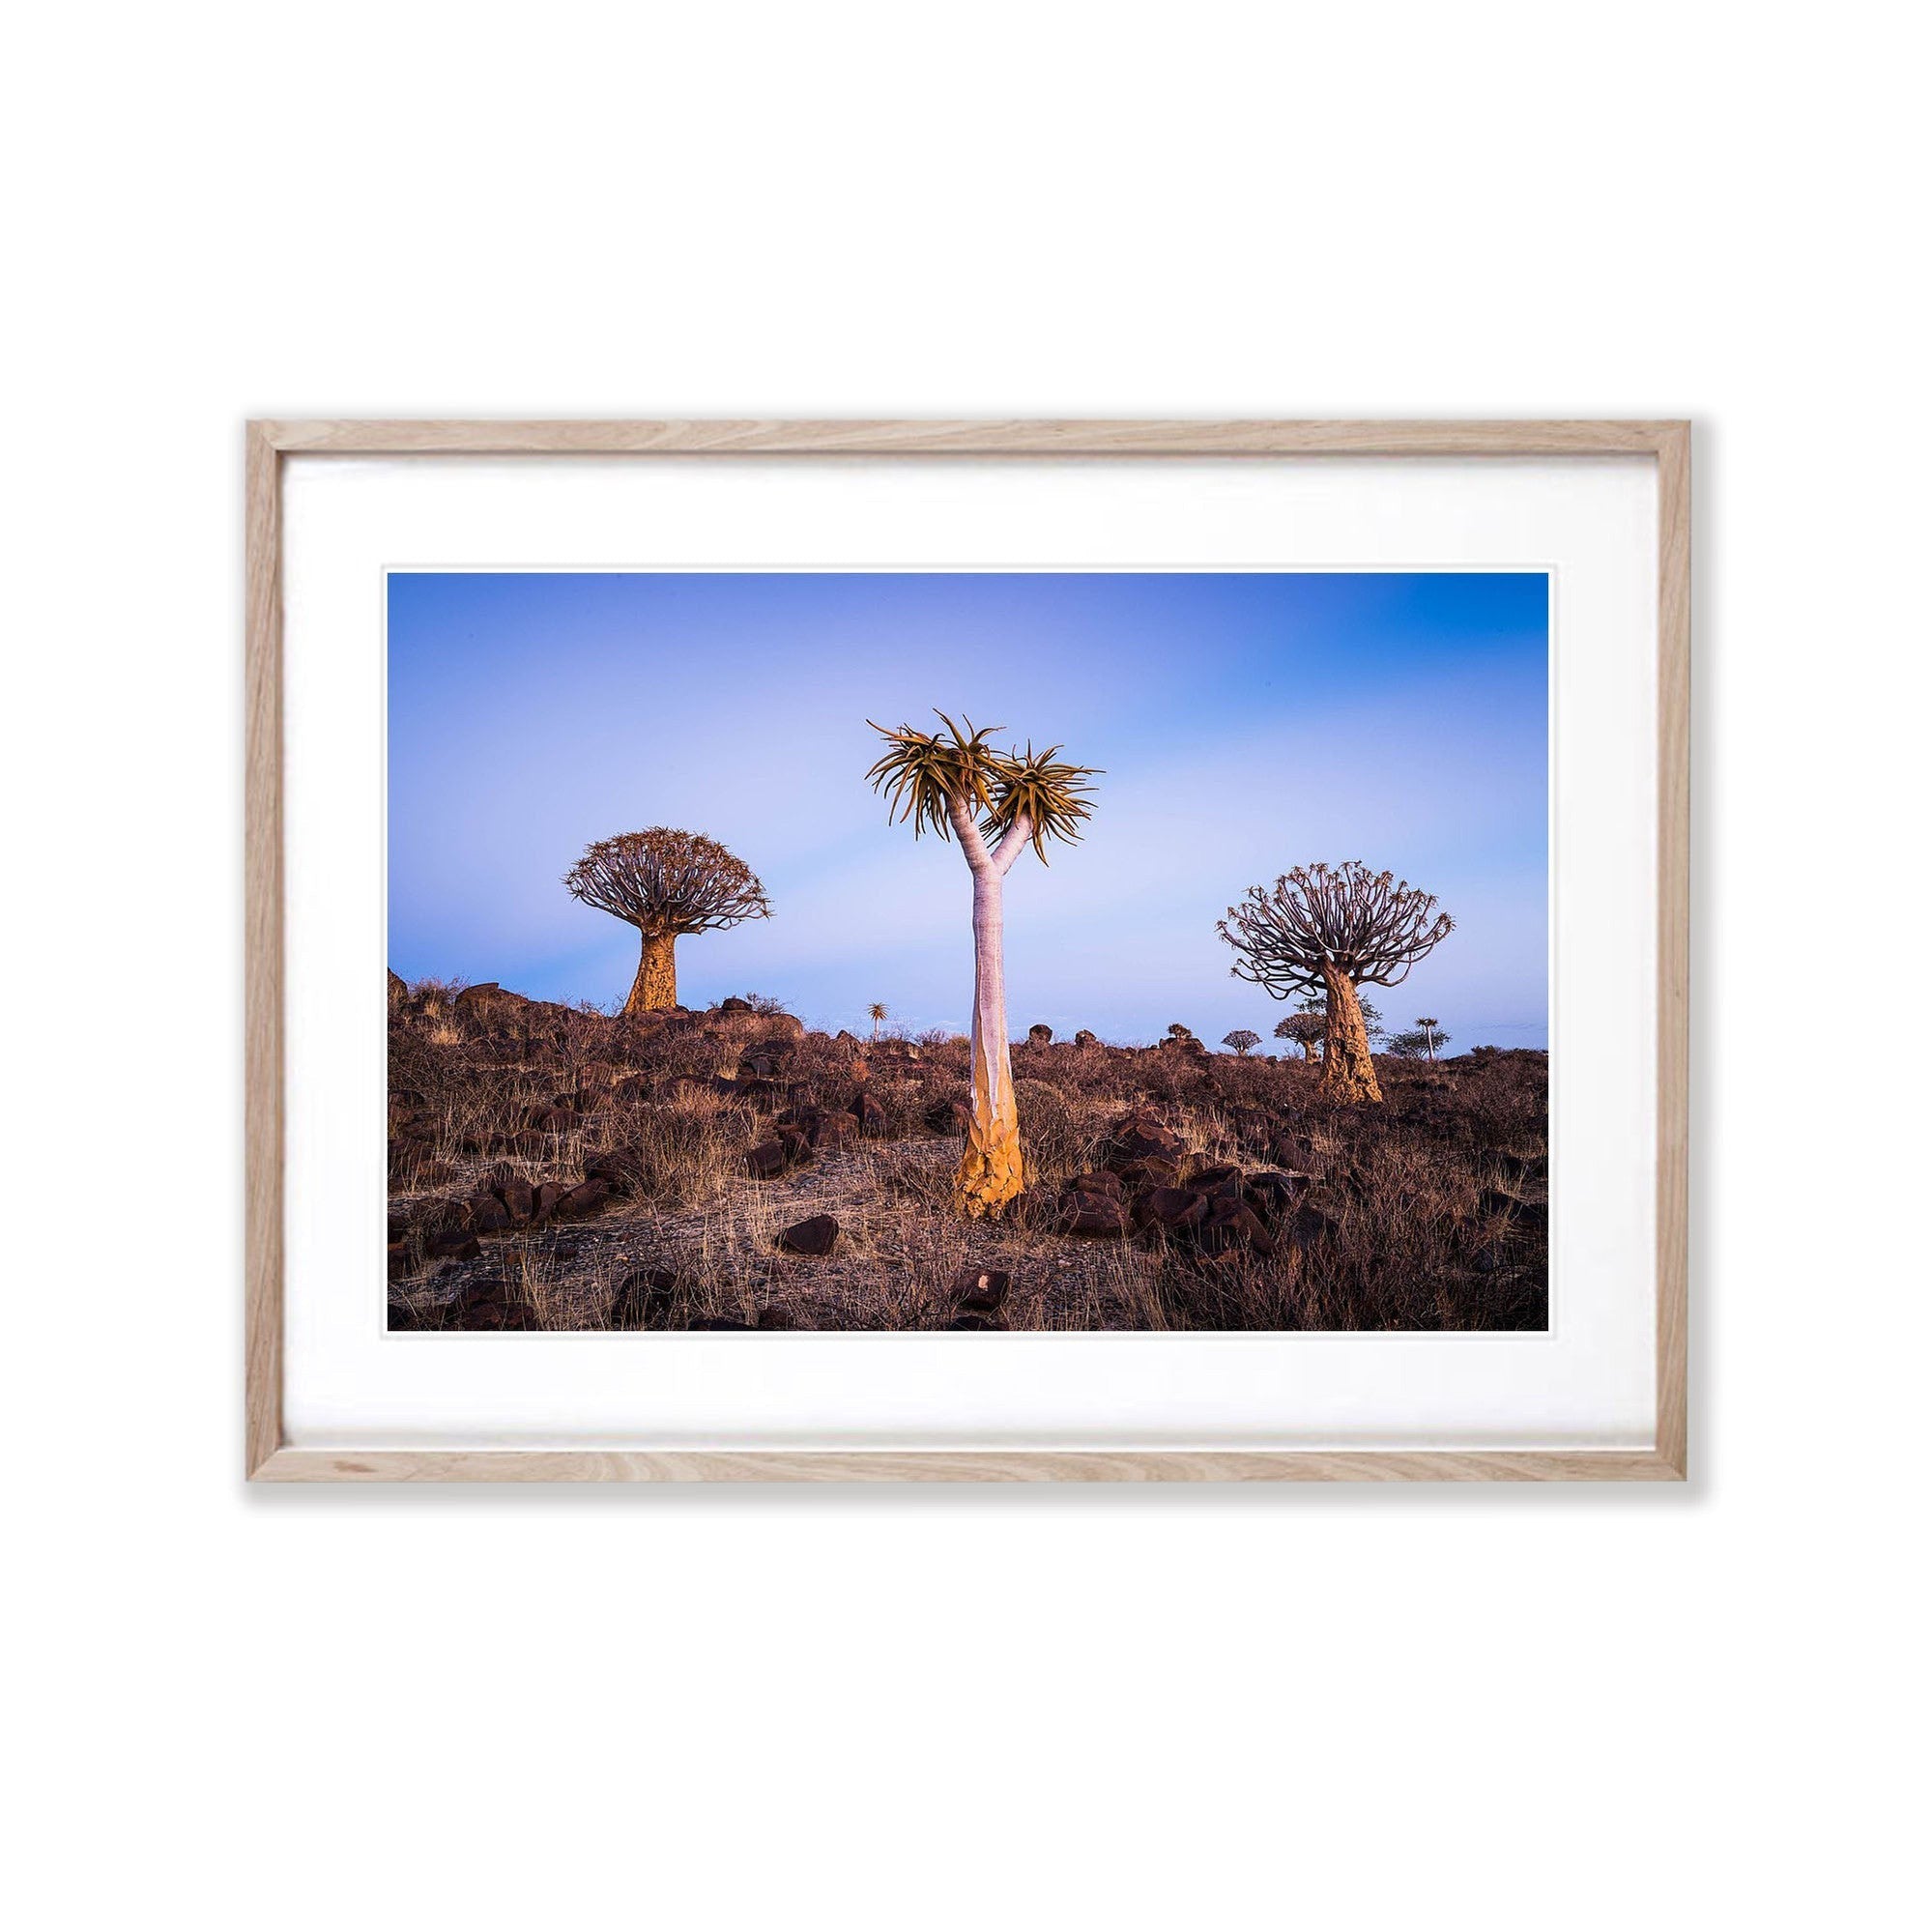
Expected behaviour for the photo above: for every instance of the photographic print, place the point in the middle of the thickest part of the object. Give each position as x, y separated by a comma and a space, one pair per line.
969, 951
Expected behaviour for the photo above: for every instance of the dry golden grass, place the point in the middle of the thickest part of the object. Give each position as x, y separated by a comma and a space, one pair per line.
1428, 1213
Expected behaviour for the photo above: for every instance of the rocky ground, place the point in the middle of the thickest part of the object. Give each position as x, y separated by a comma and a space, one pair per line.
555, 1169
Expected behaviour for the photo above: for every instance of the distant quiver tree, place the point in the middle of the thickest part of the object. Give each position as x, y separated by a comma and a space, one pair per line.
665, 884
1305, 1030
1242, 1041
1335, 926
996, 803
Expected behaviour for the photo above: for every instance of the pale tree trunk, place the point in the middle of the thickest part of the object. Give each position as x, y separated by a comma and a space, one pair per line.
992, 1171
655, 987
1347, 1071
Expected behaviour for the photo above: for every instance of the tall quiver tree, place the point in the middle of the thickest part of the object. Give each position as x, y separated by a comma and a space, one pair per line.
665, 884
1334, 928
996, 803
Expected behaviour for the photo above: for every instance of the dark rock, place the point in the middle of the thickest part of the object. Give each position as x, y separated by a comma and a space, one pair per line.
544, 1198
585, 1199
1220, 1180
496, 1314
736, 1005
973, 1321
981, 1291
1272, 1194
1138, 1176
1231, 1225
948, 1116
833, 1129
815, 1235
796, 1143
765, 1160
1039, 1036
441, 1216
720, 1321
1138, 1137
620, 1168
488, 1215
1086, 1039
772, 1316
643, 1298
455, 1246
554, 1121
1096, 1216
870, 1113
1173, 1208
1097, 1183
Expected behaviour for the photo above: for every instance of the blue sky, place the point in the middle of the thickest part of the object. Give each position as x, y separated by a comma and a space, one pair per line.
1246, 723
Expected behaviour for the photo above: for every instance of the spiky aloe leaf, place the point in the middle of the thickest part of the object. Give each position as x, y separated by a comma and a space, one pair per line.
1041, 788
920, 772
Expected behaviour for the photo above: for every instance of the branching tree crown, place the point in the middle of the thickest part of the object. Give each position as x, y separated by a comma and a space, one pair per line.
1305, 1030
1242, 1040
924, 774
667, 883
1369, 927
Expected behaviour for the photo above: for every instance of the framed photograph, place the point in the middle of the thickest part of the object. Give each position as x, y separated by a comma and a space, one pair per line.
967, 951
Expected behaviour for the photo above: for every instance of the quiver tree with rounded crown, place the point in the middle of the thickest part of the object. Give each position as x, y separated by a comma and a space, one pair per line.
1331, 929
667, 883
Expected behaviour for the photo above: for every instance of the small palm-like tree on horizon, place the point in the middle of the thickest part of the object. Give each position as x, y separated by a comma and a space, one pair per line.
996, 803
877, 1013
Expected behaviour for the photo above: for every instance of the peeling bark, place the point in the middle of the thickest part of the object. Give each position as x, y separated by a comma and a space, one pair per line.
1348, 1069
655, 987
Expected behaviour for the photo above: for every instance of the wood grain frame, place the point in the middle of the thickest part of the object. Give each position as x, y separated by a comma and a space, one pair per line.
270, 1459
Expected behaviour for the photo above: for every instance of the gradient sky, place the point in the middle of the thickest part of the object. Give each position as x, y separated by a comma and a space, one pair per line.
1246, 723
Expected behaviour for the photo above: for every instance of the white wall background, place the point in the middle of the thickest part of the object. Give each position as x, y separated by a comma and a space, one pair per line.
1333, 1708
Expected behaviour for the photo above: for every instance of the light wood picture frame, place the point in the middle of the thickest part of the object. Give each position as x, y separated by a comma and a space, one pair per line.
270, 1458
